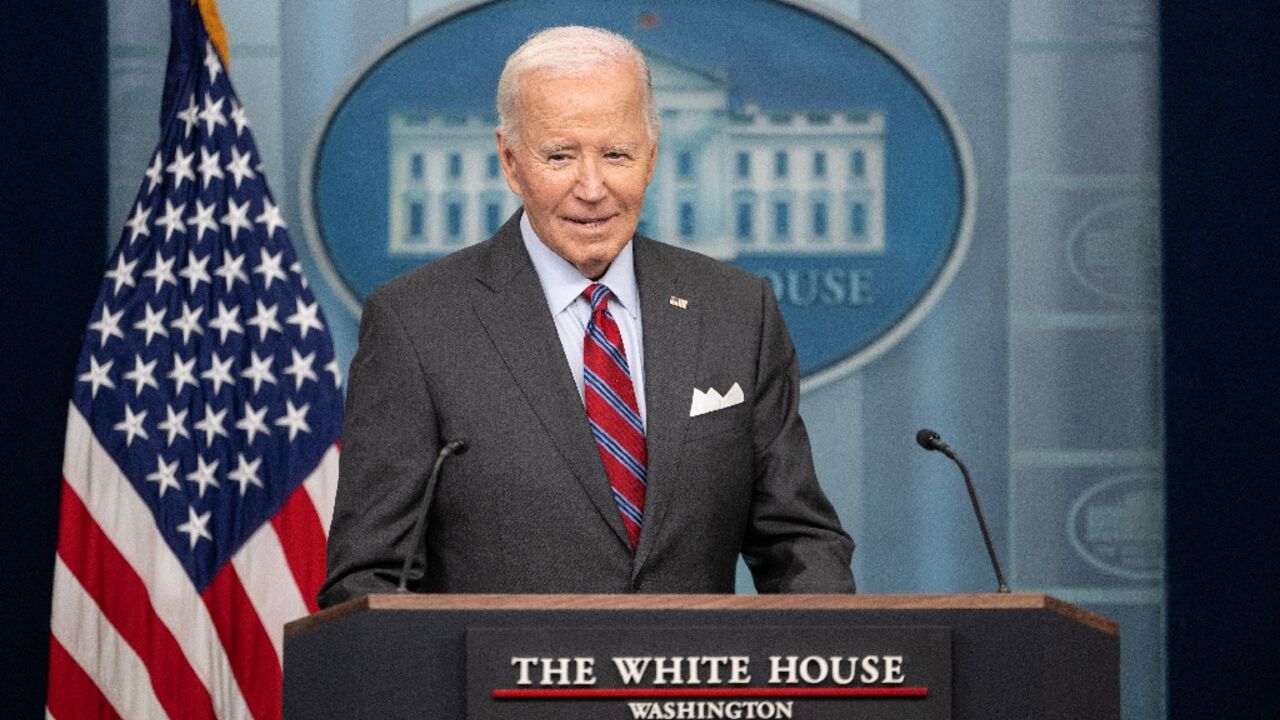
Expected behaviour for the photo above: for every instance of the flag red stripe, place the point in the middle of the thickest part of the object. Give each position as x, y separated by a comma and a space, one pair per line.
124, 601
301, 535
72, 693
253, 658
322, 486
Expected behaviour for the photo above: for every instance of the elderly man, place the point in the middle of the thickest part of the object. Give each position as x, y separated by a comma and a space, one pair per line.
630, 407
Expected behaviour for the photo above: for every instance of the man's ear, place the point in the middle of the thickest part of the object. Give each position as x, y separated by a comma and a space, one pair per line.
507, 159
653, 163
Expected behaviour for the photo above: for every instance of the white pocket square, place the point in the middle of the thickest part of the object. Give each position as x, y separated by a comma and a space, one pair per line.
710, 401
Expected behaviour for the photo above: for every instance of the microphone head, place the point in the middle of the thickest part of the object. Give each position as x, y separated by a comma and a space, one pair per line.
458, 447
928, 439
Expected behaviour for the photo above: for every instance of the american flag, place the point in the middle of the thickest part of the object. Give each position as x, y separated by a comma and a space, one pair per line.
201, 447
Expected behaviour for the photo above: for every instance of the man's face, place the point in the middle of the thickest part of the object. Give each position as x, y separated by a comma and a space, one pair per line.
582, 162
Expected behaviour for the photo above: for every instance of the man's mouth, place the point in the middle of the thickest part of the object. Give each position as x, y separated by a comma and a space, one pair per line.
590, 222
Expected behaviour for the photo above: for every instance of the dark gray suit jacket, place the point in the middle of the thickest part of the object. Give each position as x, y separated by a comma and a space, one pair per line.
465, 347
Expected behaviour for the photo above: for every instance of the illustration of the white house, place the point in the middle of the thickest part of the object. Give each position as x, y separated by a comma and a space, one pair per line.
729, 181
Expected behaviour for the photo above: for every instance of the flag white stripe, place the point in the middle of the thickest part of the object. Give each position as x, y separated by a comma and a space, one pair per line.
98, 649
322, 486
127, 521
267, 580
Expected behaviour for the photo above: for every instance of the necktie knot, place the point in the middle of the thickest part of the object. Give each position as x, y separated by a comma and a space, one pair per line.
598, 295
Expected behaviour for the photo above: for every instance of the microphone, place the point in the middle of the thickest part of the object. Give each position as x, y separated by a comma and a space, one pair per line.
453, 447
932, 441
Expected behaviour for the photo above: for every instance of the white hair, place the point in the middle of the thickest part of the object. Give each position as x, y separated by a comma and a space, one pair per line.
569, 50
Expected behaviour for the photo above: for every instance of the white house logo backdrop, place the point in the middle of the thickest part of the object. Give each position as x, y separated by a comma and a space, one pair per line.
810, 154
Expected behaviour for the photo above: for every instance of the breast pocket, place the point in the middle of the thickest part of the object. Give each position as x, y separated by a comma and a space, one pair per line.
726, 420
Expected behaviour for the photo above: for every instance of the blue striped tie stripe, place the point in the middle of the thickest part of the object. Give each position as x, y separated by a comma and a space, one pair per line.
617, 403
607, 444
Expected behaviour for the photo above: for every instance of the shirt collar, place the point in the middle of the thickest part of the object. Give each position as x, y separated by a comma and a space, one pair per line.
562, 283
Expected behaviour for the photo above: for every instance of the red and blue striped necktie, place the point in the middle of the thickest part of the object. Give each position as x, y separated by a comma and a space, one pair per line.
613, 412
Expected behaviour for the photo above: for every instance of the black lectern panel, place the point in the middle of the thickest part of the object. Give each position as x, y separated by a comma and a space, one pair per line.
1010, 656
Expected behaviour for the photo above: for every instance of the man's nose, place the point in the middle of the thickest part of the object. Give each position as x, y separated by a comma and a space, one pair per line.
590, 186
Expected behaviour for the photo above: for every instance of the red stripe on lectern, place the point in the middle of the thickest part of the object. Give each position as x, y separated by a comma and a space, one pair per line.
613, 693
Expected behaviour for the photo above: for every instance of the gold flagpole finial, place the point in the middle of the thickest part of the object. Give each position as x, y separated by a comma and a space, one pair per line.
213, 26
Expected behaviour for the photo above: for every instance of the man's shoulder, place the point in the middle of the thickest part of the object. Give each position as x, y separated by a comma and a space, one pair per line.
443, 278
448, 278
700, 275
694, 265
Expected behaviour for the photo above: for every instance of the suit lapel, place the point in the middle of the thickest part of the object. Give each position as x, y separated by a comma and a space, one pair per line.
671, 336
512, 309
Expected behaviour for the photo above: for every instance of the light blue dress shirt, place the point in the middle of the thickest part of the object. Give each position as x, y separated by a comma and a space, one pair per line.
562, 285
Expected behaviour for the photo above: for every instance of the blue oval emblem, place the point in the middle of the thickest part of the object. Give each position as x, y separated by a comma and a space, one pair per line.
812, 155
1117, 526
1113, 251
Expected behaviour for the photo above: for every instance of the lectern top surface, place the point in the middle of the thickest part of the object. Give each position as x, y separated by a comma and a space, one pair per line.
423, 602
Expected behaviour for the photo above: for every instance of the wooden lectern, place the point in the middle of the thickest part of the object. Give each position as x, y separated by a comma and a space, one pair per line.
1010, 656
